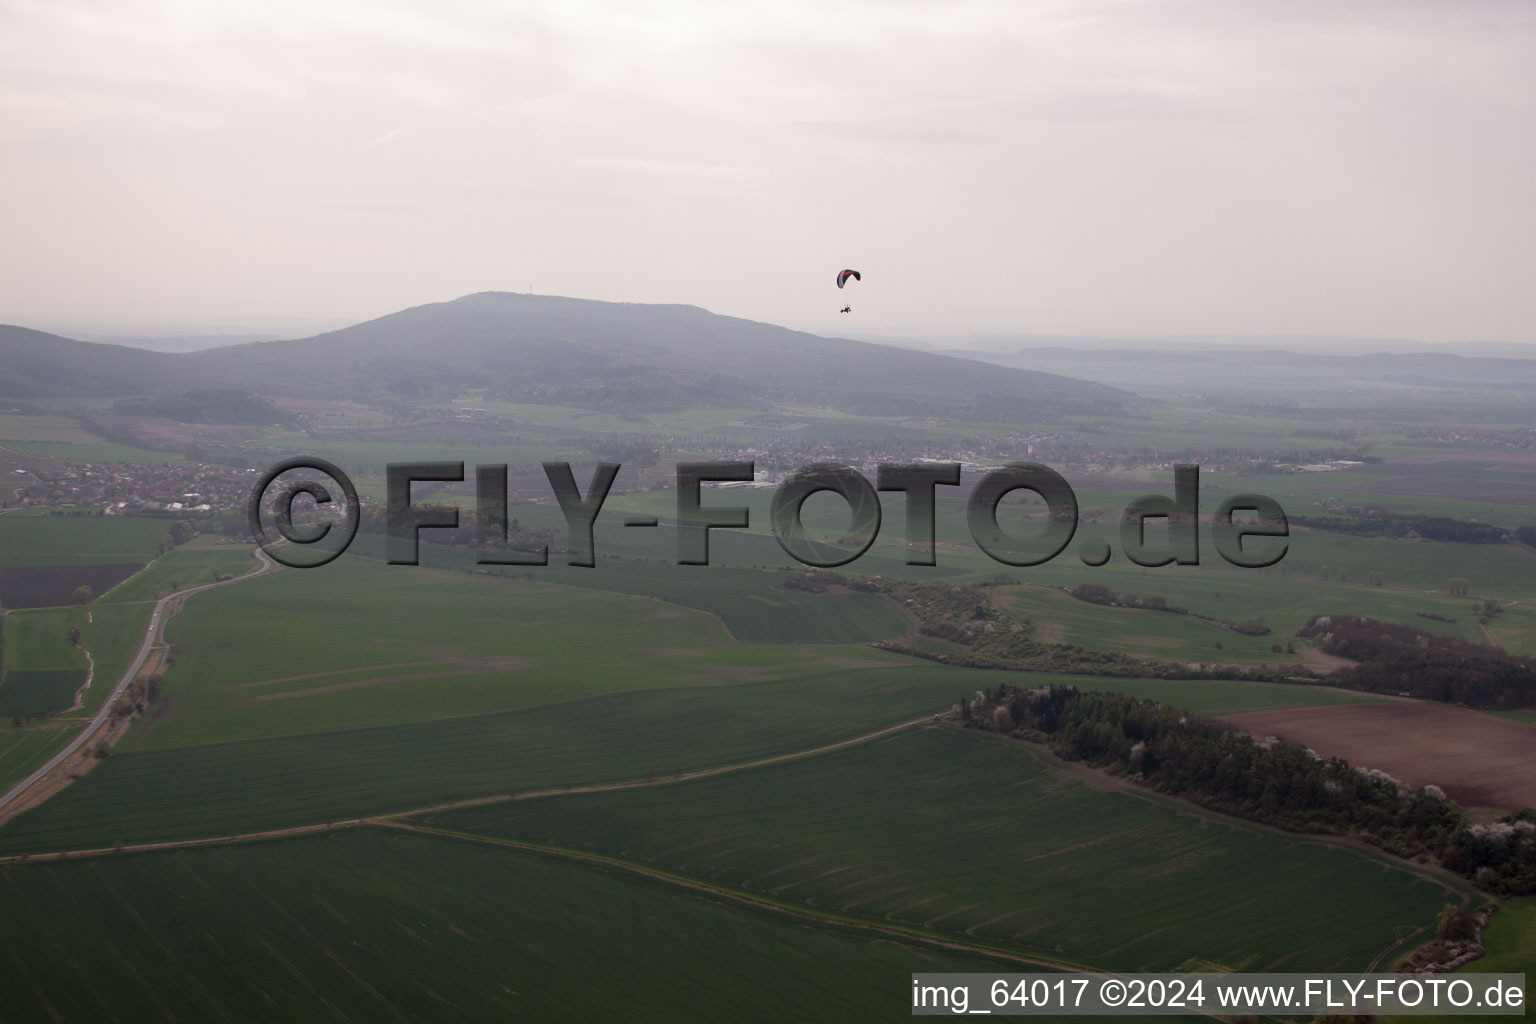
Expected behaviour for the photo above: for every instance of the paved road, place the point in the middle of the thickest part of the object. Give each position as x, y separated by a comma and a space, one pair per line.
152, 636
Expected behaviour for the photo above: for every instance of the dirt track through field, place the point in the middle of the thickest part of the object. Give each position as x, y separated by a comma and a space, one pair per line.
41, 784
400, 820
531, 794
1479, 760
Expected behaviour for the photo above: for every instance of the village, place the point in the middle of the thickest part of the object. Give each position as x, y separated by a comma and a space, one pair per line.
137, 488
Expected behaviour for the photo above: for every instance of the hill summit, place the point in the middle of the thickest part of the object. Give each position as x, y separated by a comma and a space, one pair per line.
631, 357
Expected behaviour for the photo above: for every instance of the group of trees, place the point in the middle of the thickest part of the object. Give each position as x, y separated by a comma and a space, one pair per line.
960, 613
1400, 659
139, 695
1267, 780
1095, 593
181, 531
1380, 523
1373, 578
1500, 857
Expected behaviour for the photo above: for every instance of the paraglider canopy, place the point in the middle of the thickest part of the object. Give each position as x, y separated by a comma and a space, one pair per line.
842, 278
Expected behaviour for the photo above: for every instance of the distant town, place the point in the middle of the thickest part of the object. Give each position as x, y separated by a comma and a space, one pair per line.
137, 488
200, 488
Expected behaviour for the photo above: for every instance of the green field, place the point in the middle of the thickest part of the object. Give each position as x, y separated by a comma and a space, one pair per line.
27, 693
29, 540
201, 560
113, 637
1514, 628
43, 428
357, 644
1415, 573
93, 452
23, 749
1060, 618
42, 669
450, 686
150, 791
364, 689
1509, 944
38, 638
233, 787
993, 839
375, 926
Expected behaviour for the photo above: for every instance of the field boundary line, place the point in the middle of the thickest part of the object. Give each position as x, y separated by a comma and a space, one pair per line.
748, 899
169, 845
659, 780
482, 801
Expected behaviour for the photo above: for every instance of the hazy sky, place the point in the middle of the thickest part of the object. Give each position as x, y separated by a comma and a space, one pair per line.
1209, 166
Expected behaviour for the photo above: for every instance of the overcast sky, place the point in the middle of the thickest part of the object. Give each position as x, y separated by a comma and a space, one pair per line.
1211, 166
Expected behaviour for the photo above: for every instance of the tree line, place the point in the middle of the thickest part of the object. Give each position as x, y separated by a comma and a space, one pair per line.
1268, 780
1094, 593
1403, 660
1385, 524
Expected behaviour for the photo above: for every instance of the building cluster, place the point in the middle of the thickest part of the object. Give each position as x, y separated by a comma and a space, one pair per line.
1491, 437
128, 488
779, 457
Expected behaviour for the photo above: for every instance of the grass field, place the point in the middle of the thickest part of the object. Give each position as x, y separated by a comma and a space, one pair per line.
23, 749
42, 669
1514, 628
94, 452
1510, 940
358, 644
1510, 946
948, 830
365, 460
28, 540
43, 428
1413, 571
113, 636
377, 926
201, 560
38, 638
223, 788
27, 693
149, 790
363, 688
1060, 618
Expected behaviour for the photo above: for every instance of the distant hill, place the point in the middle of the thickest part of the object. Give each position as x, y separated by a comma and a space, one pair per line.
35, 364
624, 357
638, 358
